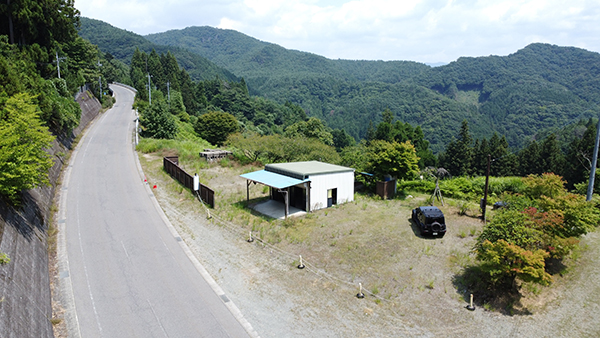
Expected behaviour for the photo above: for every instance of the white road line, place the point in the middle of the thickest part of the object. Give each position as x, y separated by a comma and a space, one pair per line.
157, 320
87, 278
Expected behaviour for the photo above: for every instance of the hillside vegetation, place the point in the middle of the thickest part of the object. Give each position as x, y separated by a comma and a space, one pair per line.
539, 88
122, 44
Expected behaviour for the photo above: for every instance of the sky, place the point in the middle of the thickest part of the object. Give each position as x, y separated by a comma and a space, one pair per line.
427, 31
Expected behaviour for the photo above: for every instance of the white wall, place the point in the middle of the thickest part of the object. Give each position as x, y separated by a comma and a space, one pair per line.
344, 182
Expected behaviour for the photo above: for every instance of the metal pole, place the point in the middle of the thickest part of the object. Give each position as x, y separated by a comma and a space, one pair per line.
58, 65
169, 93
487, 181
137, 126
58, 60
100, 81
590, 190
149, 91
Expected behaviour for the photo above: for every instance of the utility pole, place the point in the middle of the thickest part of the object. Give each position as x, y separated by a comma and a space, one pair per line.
169, 93
58, 60
100, 81
590, 190
485, 193
149, 90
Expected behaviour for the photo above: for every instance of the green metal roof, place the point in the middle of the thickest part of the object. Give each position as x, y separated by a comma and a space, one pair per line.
302, 170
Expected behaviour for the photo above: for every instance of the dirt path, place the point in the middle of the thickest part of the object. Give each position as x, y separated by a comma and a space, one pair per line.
280, 300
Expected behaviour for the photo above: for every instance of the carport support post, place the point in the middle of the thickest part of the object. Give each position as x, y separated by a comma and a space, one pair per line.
248, 190
286, 200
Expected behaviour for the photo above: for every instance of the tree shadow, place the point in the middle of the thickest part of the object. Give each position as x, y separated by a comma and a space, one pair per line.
555, 266
25, 218
502, 297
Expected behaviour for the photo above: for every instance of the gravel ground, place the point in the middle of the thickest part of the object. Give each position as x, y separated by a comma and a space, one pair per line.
280, 300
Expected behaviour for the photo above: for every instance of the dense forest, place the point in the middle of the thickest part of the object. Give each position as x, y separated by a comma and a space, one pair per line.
523, 96
122, 44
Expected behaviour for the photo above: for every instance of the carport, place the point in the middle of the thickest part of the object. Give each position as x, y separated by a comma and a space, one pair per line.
281, 184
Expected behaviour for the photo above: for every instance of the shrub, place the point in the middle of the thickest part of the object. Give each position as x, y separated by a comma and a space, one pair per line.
504, 262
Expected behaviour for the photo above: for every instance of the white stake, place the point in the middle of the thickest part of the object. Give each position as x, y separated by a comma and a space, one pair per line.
301, 265
360, 294
470, 307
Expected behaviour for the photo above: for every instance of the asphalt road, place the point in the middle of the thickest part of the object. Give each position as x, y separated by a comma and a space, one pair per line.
129, 273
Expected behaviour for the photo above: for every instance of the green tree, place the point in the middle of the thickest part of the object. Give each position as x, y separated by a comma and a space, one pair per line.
176, 105
385, 129
42, 22
396, 159
530, 161
552, 156
425, 155
341, 139
156, 71
171, 70
216, 126
157, 122
251, 145
580, 153
138, 72
459, 153
24, 163
313, 128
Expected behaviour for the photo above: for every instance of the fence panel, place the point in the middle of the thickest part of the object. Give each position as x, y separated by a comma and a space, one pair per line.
171, 166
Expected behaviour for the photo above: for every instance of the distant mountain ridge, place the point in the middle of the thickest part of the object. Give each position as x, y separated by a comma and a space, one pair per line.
524, 96
122, 43
249, 57
538, 89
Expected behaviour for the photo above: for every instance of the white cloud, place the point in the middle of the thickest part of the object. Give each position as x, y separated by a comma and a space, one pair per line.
419, 30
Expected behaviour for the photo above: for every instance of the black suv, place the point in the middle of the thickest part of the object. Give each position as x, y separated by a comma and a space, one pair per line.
430, 221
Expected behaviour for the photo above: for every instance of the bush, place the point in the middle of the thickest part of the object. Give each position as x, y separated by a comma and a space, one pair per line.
544, 222
216, 126
24, 162
157, 122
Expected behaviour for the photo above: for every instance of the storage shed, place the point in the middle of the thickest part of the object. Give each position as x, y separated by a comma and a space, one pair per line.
309, 186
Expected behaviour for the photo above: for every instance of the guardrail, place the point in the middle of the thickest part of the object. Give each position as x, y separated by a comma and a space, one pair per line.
171, 165
126, 86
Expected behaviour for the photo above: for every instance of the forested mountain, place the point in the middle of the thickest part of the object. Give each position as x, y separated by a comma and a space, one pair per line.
255, 59
539, 88
122, 44
523, 96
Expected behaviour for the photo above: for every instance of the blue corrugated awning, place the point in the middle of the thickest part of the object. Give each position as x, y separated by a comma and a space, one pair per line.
272, 179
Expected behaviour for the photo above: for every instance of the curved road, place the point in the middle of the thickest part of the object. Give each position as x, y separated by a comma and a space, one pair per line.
128, 273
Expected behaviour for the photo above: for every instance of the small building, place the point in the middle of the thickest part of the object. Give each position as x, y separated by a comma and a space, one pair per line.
214, 154
309, 186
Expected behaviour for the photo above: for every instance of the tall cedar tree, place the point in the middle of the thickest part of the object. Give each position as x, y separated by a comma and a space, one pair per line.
42, 22
459, 153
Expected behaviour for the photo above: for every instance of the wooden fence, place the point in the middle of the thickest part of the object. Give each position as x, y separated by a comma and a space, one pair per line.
171, 165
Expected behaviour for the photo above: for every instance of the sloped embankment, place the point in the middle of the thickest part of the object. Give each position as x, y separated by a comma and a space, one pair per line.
25, 299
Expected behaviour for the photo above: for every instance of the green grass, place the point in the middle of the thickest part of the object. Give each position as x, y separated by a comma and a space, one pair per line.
4, 259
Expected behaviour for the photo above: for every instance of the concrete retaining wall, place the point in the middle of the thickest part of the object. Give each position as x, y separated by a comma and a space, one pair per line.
25, 299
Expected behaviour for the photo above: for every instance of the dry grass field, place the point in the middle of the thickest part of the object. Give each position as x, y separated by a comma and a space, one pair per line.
412, 284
